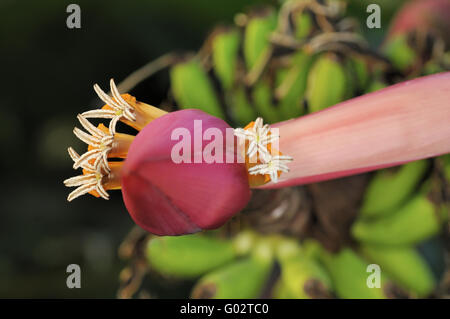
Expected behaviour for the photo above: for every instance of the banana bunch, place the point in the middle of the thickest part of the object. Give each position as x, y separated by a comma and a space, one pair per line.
417, 53
404, 270
302, 275
240, 267
223, 268
252, 265
398, 226
277, 65
243, 266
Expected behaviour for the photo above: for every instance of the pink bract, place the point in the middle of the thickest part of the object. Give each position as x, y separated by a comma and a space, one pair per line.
166, 198
405, 122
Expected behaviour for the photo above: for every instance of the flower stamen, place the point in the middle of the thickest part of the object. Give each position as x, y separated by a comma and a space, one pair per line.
119, 107
259, 137
273, 167
100, 141
104, 143
269, 163
90, 180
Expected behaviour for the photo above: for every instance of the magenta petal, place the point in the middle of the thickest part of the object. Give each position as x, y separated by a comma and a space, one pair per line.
166, 198
402, 123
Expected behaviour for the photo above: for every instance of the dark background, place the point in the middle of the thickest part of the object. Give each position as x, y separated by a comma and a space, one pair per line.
47, 73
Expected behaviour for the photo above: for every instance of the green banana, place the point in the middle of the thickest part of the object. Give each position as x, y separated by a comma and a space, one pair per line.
404, 265
388, 190
244, 241
349, 274
242, 111
303, 25
242, 279
446, 159
225, 49
188, 256
193, 89
292, 85
446, 163
400, 53
256, 42
432, 67
280, 291
312, 248
263, 102
375, 85
286, 248
447, 172
352, 78
303, 277
361, 72
415, 221
327, 83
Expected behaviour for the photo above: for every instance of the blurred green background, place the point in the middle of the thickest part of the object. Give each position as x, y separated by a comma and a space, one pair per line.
47, 75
